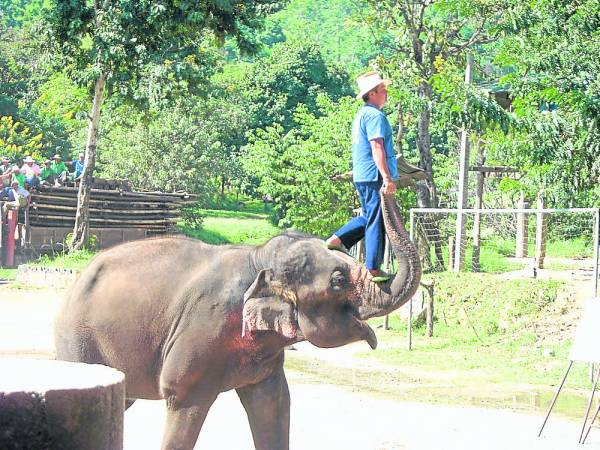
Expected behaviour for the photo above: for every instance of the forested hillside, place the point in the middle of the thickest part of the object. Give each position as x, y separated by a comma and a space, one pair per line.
268, 111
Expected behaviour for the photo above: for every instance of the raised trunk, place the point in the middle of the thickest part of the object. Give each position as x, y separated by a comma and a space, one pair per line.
81, 231
379, 299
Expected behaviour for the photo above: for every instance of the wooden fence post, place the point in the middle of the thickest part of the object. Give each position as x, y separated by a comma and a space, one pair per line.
451, 253
429, 287
463, 182
522, 229
540, 233
475, 265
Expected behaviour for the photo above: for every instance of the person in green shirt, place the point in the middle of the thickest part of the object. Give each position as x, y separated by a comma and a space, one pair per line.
47, 174
18, 177
60, 170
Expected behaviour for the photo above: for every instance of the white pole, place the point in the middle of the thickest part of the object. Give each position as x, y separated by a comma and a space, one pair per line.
463, 181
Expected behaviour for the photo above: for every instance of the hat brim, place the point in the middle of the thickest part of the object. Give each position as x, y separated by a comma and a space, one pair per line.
385, 82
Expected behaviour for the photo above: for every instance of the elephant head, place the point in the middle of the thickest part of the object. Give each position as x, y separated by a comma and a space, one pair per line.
304, 290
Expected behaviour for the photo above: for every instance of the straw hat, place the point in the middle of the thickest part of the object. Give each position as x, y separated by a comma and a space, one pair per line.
28, 159
57, 156
369, 81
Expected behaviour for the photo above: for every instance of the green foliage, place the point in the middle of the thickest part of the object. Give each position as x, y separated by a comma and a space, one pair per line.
295, 168
189, 147
337, 25
293, 74
74, 260
36, 97
147, 49
554, 77
18, 140
15, 13
8, 274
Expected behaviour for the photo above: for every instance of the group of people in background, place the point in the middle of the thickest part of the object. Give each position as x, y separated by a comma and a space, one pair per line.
16, 181
53, 172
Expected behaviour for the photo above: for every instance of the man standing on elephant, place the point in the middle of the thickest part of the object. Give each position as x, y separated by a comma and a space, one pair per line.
374, 168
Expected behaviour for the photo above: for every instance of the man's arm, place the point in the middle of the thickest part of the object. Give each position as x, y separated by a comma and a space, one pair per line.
378, 151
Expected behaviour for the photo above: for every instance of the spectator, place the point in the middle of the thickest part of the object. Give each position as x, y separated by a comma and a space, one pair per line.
79, 166
47, 176
31, 171
18, 197
18, 177
5, 172
60, 170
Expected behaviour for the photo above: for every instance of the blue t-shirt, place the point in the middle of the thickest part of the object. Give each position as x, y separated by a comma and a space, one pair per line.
370, 123
79, 166
9, 193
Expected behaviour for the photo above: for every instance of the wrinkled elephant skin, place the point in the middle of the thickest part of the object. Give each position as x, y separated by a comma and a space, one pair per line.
186, 321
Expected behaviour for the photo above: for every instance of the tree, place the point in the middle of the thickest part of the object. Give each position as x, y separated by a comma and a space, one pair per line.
117, 45
188, 146
18, 12
18, 140
295, 166
428, 33
428, 37
293, 73
555, 79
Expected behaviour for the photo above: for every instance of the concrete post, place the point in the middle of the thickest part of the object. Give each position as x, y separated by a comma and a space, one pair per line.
60, 405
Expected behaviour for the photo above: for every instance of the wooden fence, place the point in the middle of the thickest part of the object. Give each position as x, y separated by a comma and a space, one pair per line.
154, 211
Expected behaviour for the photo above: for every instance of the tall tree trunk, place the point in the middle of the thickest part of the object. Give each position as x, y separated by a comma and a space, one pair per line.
427, 191
81, 231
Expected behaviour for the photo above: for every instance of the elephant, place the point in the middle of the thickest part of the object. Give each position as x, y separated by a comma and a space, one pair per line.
185, 320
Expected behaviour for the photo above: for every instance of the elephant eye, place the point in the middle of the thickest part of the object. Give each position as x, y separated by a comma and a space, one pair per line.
337, 280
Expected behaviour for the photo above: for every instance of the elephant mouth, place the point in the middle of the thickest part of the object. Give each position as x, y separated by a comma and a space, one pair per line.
367, 331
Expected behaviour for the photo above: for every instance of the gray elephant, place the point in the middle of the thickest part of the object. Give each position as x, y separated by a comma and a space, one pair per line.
186, 321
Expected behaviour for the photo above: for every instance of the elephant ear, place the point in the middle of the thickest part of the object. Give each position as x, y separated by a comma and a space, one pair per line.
266, 308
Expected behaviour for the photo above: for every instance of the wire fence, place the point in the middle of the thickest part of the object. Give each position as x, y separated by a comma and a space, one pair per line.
510, 239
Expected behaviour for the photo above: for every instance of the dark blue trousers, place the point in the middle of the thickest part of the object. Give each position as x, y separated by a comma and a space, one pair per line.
368, 226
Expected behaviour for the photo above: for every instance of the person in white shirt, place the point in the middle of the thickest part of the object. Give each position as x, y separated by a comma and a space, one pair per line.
31, 171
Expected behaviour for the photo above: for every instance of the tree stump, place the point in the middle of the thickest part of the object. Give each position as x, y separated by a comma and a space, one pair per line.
60, 405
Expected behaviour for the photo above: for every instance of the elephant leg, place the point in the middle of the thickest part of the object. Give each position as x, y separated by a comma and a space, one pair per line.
185, 419
267, 405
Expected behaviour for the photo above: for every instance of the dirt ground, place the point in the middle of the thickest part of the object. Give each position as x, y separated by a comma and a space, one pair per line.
323, 416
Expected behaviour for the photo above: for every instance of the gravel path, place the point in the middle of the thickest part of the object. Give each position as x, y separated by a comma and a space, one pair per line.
323, 416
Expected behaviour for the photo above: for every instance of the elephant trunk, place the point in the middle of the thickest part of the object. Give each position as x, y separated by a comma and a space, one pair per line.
379, 299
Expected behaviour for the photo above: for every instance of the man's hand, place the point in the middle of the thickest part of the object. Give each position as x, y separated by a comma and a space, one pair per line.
388, 187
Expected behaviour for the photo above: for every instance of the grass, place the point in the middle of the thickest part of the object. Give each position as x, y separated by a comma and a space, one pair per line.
77, 260
576, 248
485, 350
495, 253
246, 226
483, 322
492, 258
8, 274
